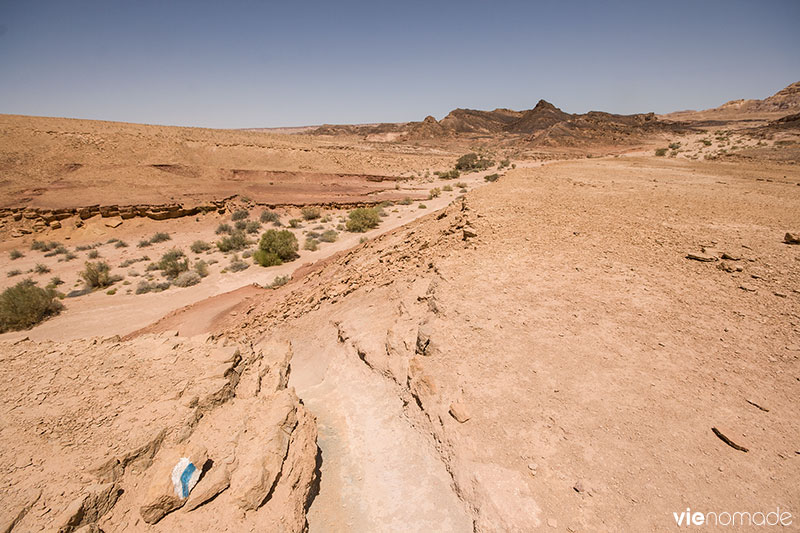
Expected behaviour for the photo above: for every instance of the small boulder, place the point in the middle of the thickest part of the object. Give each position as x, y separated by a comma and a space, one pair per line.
791, 238
96, 501
114, 222
704, 258
162, 497
459, 412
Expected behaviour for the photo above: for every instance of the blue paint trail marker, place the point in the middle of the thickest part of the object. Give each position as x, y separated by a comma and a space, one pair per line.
184, 477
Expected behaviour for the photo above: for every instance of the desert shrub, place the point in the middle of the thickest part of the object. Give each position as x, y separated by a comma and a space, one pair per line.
269, 216
121, 244
171, 265
97, 275
434, 193
362, 219
422, 206
69, 256
112, 240
24, 305
240, 214
237, 265
252, 226
160, 237
187, 279
491, 177
294, 223
282, 243
240, 225
94, 254
247, 253
312, 234
201, 267
504, 163
41, 269
462, 190
55, 281
449, 174
224, 228
473, 161
311, 245
311, 213
15, 254
199, 246
461, 185
266, 259
144, 243
42, 246
145, 287
706, 142
111, 292
661, 152
12, 273
329, 236
58, 250
405, 201
129, 262
674, 146
234, 242
279, 281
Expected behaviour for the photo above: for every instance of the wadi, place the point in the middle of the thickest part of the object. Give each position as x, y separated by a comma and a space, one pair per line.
505, 320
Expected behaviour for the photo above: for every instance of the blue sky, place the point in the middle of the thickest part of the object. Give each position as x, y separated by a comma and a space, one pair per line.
260, 64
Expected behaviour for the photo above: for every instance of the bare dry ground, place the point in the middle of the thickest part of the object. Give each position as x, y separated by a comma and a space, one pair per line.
538, 353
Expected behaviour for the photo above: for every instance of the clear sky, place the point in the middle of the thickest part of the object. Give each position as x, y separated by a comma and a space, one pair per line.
262, 64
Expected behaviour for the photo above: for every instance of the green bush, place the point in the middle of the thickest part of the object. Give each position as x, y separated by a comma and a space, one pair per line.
44, 246
362, 219
449, 175
294, 223
41, 269
674, 146
329, 236
237, 265
266, 259
171, 265
94, 254
15, 254
12, 273
240, 214
434, 193
240, 225
447, 188
310, 213
473, 161
405, 201
224, 228
187, 279
312, 245
233, 243
144, 243
422, 206
199, 247
279, 281
661, 152
252, 226
269, 216
97, 275
201, 267
282, 243
24, 305
160, 237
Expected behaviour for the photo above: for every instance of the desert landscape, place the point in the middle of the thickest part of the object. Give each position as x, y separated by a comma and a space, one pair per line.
289, 268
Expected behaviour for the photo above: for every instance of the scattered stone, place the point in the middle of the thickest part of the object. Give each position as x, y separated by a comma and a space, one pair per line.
701, 257
552, 522
791, 238
459, 412
533, 467
114, 222
9, 521
90, 507
578, 487
55, 224
730, 257
780, 294
727, 267
469, 234
748, 288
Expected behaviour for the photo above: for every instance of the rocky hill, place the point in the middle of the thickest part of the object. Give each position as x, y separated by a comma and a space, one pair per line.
784, 102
